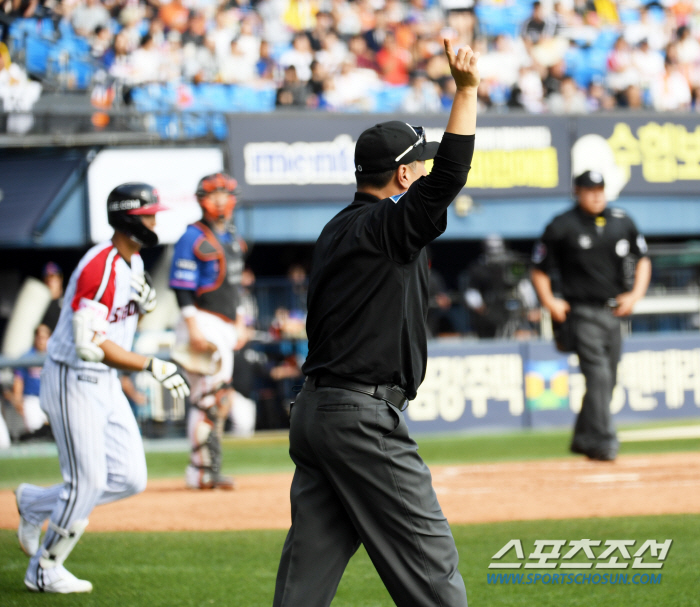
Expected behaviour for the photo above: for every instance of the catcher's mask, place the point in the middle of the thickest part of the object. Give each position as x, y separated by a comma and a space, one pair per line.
126, 203
216, 182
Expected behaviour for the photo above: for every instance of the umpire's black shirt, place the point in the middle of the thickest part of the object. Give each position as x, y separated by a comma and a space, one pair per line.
368, 288
590, 252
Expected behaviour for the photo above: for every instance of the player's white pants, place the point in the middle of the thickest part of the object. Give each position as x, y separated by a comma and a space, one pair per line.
4, 433
34, 417
99, 446
224, 336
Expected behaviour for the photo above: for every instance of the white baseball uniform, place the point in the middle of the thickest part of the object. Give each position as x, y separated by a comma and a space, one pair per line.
99, 444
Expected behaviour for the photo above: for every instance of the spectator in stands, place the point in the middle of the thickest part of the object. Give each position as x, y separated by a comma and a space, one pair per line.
569, 100
17, 93
25, 389
536, 27
528, 92
223, 33
324, 24
333, 51
236, 67
375, 37
598, 98
299, 57
672, 91
364, 57
647, 28
648, 64
423, 96
131, 17
298, 288
293, 92
52, 276
248, 40
196, 30
146, 62
175, 16
265, 66
394, 62
100, 42
552, 81
89, 15
631, 98
351, 88
317, 83
621, 72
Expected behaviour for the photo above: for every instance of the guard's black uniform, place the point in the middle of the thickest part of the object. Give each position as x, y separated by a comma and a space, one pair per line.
358, 476
596, 258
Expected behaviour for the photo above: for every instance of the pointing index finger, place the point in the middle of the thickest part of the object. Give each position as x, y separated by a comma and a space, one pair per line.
448, 50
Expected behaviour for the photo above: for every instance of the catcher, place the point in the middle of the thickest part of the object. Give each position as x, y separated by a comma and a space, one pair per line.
206, 274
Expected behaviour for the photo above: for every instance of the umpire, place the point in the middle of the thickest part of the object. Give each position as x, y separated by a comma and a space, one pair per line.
598, 252
359, 478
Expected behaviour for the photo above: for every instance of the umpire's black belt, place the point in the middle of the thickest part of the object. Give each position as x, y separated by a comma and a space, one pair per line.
390, 394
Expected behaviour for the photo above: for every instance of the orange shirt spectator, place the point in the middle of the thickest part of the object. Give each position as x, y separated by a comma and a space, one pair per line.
175, 16
394, 62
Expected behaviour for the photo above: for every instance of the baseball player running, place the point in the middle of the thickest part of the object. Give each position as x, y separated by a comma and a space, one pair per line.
206, 276
99, 445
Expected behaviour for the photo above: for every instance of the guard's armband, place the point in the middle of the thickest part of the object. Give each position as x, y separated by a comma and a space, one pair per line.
90, 329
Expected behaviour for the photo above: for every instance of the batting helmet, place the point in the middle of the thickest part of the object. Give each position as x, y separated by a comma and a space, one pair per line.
126, 203
216, 182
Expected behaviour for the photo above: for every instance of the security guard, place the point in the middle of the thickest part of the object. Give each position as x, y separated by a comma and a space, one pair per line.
593, 246
359, 478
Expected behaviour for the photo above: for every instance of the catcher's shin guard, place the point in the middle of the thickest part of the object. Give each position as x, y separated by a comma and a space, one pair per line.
204, 471
62, 547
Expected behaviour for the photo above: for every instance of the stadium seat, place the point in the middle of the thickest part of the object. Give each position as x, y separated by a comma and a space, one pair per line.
37, 55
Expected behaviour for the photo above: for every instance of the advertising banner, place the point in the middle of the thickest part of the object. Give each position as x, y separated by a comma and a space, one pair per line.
280, 158
646, 154
173, 172
472, 385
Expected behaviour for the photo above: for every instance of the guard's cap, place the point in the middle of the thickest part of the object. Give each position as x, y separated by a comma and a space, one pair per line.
387, 145
589, 179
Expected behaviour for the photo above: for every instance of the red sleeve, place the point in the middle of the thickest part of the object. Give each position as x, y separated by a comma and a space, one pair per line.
98, 276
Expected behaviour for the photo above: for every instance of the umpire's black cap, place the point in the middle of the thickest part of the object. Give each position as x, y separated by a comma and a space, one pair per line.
589, 179
387, 145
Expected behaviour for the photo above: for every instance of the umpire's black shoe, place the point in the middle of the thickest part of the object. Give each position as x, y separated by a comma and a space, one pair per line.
576, 449
602, 456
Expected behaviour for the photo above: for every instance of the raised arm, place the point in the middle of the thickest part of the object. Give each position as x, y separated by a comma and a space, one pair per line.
465, 72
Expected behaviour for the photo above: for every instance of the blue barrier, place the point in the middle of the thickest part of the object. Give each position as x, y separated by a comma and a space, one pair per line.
471, 385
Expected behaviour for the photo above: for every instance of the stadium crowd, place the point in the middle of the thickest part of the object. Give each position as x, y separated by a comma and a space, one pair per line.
567, 56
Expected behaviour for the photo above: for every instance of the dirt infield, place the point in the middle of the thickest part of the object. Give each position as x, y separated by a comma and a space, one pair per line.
551, 489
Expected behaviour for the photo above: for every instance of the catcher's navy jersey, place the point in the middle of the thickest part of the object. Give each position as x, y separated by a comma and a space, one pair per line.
590, 253
209, 264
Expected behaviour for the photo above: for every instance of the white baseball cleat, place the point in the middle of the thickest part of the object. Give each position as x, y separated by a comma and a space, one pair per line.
28, 533
57, 580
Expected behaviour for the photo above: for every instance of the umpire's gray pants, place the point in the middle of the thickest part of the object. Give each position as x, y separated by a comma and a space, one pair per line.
598, 345
359, 479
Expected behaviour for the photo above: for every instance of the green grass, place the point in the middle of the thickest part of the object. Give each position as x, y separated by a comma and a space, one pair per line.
238, 568
270, 454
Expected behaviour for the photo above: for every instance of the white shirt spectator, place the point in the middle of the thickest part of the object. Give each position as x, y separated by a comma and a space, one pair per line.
300, 56
422, 97
236, 67
504, 63
671, 92
569, 99
648, 64
88, 15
